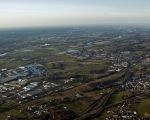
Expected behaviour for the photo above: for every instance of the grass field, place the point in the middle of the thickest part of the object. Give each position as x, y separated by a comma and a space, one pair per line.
143, 107
7, 105
117, 97
14, 114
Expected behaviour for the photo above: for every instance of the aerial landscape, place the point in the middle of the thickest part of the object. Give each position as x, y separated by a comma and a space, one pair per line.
74, 72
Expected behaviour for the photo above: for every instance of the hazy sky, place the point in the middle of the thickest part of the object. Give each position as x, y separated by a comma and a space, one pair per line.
31, 13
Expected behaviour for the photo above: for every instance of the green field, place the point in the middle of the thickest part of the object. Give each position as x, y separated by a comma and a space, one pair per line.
143, 107
117, 97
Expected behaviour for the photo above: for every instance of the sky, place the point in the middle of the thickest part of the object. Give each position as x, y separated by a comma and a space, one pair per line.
44, 13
